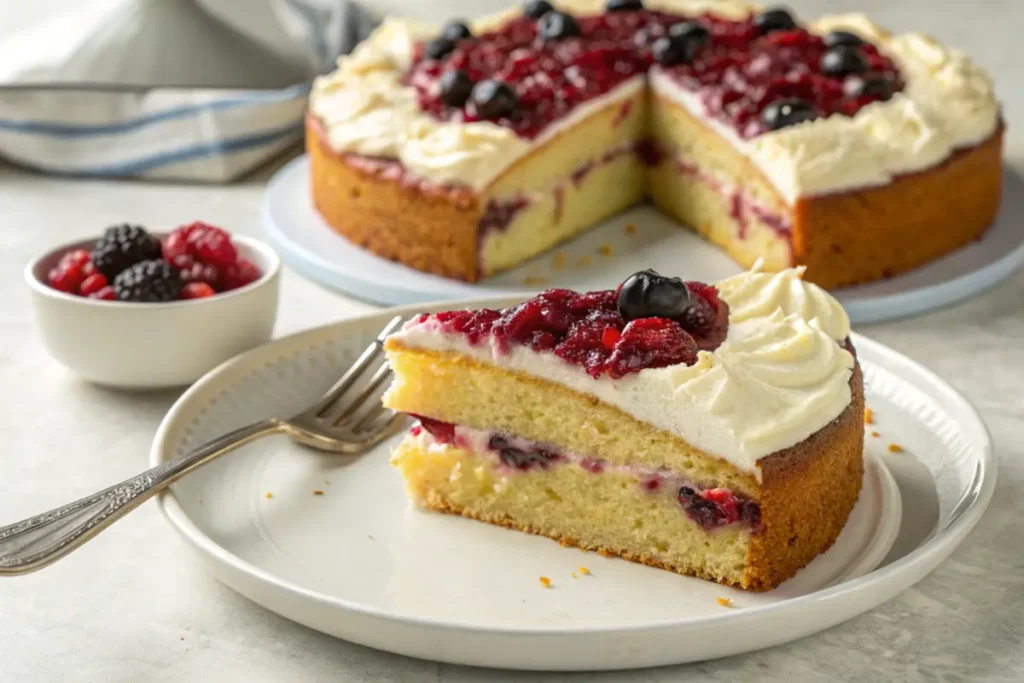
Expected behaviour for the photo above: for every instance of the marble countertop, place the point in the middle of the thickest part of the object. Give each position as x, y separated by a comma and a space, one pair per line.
135, 605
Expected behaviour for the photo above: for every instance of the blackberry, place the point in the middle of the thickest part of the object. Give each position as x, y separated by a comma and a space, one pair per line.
150, 281
122, 246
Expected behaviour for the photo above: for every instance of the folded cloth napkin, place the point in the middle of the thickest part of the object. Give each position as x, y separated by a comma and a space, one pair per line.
165, 90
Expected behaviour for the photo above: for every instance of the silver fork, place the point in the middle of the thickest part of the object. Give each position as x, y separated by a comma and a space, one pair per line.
334, 424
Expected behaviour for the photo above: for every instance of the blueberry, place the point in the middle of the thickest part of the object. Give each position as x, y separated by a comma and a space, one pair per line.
837, 38
774, 19
788, 112
456, 87
439, 48
649, 295
494, 99
624, 5
456, 31
843, 60
876, 86
557, 26
681, 44
535, 9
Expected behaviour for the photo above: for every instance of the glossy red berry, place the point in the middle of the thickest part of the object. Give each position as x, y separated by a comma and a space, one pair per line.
106, 294
92, 284
239, 274
197, 290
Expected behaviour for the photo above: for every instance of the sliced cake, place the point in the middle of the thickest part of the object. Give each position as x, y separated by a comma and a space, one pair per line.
715, 431
463, 150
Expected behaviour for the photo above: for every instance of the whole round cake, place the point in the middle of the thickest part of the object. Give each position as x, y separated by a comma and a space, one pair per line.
466, 149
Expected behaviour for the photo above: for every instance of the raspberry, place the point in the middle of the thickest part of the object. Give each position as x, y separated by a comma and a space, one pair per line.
197, 290
92, 284
212, 246
70, 271
122, 246
198, 272
239, 274
150, 281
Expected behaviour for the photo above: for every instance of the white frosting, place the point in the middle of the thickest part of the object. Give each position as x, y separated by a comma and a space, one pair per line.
948, 103
780, 376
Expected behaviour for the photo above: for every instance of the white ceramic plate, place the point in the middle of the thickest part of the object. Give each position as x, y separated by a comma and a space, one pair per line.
359, 563
309, 246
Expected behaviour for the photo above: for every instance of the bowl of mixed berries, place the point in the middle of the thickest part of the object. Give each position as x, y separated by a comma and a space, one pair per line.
137, 309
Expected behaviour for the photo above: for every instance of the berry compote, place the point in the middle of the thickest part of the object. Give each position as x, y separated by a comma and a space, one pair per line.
588, 330
737, 67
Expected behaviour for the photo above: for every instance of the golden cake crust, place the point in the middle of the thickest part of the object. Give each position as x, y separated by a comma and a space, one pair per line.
806, 493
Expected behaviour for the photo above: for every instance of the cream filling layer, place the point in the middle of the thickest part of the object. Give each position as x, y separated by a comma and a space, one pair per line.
948, 104
777, 379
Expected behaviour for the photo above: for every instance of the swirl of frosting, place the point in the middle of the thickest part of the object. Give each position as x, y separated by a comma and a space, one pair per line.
757, 294
772, 388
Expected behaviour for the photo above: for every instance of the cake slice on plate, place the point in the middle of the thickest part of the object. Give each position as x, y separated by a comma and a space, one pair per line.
715, 431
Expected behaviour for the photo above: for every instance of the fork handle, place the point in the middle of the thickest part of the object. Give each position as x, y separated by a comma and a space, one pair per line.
39, 541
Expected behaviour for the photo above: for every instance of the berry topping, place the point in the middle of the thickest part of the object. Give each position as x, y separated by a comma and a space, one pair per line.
494, 99
836, 38
122, 246
735, 65
71, 271
438, 48
148, 281
651, 343
588, 331
624, 5
456, 87
877, 87
557, 26
649, 295
455, 31
197, 290
535, 9
843, 60
774, 19
788, 112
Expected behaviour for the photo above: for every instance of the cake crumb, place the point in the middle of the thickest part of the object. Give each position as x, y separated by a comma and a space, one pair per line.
605, 249
318, 492
875, 434
895, 448
545, 581
724, 602
370, 536
584, 261
869, 416
559, 260
182, 638
269, 495
630, 229
535, 280
584, 571
574, 575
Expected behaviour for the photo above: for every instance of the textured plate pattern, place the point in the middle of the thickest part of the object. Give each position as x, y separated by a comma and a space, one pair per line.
356, 562
309, 246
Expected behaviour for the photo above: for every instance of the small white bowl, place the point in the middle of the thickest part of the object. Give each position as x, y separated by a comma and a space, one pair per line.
152, 345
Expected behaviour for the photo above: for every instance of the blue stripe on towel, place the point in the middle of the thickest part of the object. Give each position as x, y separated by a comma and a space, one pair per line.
63, 130
162, 159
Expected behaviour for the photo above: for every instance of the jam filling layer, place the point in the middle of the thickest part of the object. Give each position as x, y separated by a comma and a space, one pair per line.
710, 507
754, 74
650, 322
